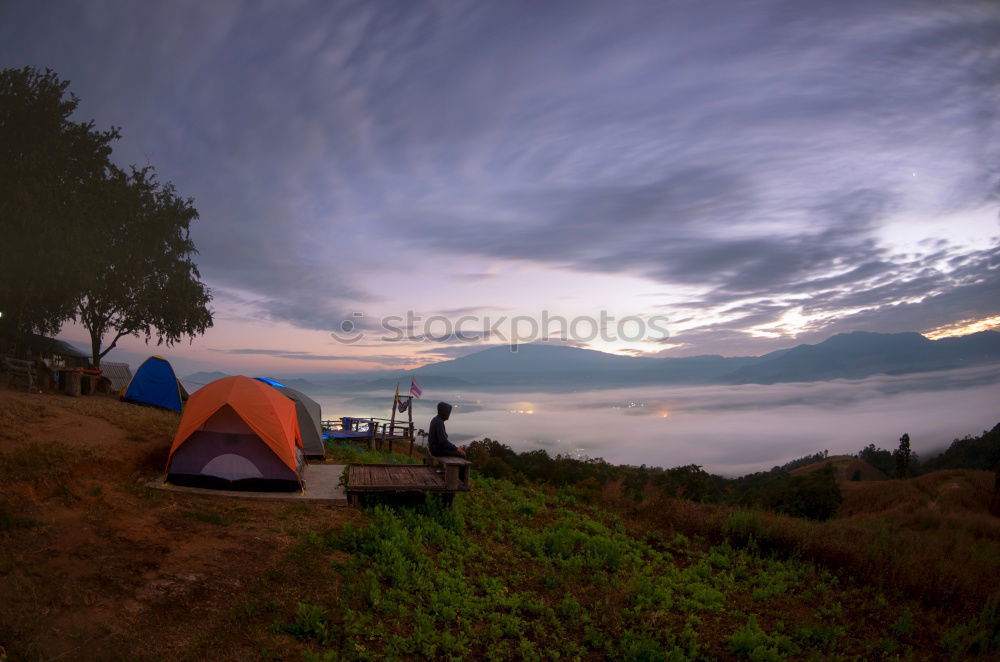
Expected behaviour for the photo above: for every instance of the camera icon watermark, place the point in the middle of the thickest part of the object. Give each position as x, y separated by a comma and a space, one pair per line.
349, 331
511, 330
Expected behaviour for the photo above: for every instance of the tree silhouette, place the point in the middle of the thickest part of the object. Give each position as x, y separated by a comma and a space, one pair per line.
82, 238
143, 282
48, 165
902, 456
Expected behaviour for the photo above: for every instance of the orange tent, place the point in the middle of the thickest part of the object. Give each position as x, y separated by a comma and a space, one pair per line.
266, 411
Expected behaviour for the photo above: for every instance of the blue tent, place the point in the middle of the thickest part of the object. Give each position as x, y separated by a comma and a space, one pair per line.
155, 384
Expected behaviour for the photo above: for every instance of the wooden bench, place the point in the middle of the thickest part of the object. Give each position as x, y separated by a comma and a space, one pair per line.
456, 469
21, 371
401, 479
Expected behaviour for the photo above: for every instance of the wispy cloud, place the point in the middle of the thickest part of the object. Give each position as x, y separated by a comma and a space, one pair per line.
767, 159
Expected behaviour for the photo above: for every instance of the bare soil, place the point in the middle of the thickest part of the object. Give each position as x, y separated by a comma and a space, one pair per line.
94, 565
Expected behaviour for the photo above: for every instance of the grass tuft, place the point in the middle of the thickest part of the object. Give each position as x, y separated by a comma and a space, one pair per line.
348, 453
10, 521
40, 463
139, 423
18, 417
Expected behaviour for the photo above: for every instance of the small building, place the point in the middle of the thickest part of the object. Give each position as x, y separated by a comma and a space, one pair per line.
55, 354
117, 375
48, 356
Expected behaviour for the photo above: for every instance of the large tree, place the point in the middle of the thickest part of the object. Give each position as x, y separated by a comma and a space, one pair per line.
81, 238
143, 281
48, 165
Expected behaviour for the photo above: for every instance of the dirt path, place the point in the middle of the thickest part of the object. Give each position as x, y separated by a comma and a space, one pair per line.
93, 564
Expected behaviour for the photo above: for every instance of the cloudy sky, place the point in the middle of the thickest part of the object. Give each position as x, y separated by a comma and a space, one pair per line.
758, 173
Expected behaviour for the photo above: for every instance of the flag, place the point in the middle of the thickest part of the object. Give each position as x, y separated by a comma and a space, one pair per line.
415, 389
396, 402
403, 405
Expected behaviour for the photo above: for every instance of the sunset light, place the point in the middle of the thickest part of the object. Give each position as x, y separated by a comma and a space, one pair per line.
963, 328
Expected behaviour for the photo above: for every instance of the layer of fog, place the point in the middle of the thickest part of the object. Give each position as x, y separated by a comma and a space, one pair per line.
727, 429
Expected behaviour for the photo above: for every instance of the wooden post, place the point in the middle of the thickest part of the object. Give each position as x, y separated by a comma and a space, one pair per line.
392, 416
451, 476
72, 383
410, 410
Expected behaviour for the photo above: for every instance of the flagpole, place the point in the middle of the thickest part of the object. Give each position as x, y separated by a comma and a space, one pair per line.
392, 417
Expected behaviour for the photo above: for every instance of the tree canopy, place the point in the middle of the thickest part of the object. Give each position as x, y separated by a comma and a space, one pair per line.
85, 239
48, 166
144, 281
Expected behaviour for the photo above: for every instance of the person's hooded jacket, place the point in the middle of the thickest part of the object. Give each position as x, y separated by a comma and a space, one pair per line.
437, 435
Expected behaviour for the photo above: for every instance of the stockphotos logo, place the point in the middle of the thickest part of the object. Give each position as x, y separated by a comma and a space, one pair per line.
514, 330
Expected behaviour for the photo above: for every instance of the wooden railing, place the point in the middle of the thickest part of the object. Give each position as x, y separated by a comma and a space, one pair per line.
376, 433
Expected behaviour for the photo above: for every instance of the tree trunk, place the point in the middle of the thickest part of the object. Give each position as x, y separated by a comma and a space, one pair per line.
95, 348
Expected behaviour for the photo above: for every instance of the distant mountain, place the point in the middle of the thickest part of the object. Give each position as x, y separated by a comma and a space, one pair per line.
576, 368
705, 369
532, 359
202, 378
303, 385
299, 384
844, 356
861, 354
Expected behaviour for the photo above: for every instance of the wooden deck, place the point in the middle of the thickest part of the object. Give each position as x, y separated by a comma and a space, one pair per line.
375, 433
401, 479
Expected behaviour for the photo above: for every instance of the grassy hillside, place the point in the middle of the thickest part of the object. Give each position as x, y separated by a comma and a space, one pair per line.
931, 498
94, 565
846, 468
517, 573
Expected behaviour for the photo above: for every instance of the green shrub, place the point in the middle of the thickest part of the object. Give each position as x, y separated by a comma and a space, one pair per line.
979, 636
742, 527
904, 625
751, 642
310, 624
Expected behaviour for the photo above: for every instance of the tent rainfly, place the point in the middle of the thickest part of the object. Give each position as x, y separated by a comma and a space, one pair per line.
238, 433
310, 418
156, 385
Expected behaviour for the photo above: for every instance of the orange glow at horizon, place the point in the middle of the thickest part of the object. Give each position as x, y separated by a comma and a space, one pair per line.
963, 328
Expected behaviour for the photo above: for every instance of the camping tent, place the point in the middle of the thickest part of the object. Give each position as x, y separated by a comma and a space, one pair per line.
238, 433
155, 384
310, 418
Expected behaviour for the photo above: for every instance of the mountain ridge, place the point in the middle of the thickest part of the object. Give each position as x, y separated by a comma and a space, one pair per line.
554, 367
851, 355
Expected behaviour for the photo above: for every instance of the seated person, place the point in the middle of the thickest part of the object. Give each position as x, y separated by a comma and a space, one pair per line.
437, 437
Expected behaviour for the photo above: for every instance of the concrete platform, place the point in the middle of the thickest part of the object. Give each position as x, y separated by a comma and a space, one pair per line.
322, 484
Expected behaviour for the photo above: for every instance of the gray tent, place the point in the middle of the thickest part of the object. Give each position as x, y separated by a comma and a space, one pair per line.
309, 415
